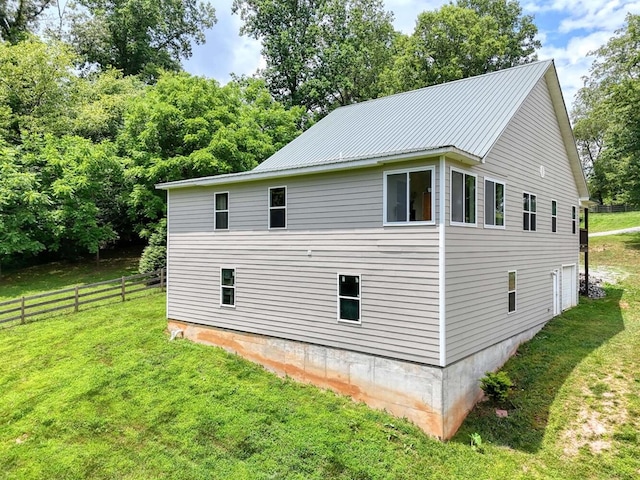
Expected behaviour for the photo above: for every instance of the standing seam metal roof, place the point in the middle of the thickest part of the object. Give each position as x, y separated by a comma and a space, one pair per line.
469, 114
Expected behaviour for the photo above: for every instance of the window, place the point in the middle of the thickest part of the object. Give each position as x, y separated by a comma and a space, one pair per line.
554, 216
349, 298
574, 219
278, 207
493, 203
221, 211
408, 196
463, 198
228, 287
529, 212
512, 291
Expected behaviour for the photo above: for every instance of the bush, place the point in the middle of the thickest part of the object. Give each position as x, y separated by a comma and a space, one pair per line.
154, 255
496, 385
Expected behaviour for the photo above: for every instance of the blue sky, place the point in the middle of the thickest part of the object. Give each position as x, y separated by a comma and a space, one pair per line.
568, 30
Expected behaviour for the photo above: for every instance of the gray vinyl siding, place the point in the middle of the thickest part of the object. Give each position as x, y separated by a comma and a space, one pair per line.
478, 259
285, 291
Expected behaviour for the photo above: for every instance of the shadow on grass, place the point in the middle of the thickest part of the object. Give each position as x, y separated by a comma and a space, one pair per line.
632, 240
539, 369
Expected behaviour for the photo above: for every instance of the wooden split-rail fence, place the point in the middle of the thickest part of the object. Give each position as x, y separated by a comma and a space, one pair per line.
72, 299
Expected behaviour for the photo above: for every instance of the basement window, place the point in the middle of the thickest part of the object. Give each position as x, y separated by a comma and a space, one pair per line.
512, 291
349, 298
228, 287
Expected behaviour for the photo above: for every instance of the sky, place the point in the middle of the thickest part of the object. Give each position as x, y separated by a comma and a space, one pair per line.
568, 30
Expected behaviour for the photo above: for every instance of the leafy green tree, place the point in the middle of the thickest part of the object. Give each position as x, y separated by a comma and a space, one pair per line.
139, 36
457, 41
187, 126
607, 118
17, 18
320, 53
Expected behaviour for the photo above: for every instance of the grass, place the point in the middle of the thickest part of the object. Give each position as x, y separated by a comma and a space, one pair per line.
603, 222
104, 394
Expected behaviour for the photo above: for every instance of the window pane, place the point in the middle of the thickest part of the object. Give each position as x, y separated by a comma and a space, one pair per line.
512, 281
420, 188
525, 221
499, 204
489, 200
222, 220
222, 201
533, 203
470, 199
349, 309
278, 197
228, 276
525, 202
554, 224
349, 286
397, 197
277, 218
228, 296
457, 194
554, 207
533, 222
512, 301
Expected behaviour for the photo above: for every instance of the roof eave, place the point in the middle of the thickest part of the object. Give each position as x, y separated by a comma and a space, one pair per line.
350, 164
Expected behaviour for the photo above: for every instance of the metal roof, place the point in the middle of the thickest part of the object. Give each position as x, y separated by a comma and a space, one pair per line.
469, 114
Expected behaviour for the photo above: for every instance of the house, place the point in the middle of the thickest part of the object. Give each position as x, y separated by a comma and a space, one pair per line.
395, 251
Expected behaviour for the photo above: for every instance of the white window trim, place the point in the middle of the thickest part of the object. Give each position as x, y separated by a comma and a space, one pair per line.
215, 210
285, 208
384, 196
235, 281
504, 206
338, 297
530, 212
552, 215
574, 220
514, 291
451, 221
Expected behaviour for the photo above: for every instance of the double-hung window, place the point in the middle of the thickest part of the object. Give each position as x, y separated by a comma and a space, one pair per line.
278, 207
463, 198
349, 298
221, 207
408, 196
493, 203
513, 284
554, 216
228, 287
574, 219
529, 215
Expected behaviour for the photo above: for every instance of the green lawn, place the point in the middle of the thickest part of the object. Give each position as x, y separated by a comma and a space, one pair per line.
104, 394
603, 222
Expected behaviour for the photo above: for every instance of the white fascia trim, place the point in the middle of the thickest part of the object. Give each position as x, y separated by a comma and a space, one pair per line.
441, 261
340, 165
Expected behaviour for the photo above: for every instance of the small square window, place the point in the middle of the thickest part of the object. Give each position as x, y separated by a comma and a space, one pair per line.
278, 207
349, 298
221, 207
228, 286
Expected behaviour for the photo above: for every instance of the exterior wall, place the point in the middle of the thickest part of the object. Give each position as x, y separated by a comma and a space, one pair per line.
478, 258
286, 280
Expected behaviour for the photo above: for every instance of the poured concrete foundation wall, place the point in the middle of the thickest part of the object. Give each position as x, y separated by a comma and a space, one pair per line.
435, 399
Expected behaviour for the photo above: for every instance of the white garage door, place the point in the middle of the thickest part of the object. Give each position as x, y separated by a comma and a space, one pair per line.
569, 286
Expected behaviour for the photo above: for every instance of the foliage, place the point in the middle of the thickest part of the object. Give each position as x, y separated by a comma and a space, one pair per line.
18, 17
139, 36
607, 120
320, 53
461, 40
186, 126
496, 385
154, 256
476, 442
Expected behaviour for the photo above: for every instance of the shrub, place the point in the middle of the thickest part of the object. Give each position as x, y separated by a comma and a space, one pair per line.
496, 385
154, 255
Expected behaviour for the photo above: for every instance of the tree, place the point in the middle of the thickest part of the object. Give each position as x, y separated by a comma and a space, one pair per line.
469, 38
320, 53
17, 18
607, 120
139, 36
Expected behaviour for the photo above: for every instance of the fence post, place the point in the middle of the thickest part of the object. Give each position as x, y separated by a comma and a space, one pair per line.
75, 306
123, 289
162, 279
22, 310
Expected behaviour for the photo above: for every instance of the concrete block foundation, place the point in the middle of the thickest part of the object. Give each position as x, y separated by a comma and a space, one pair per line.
436, 399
